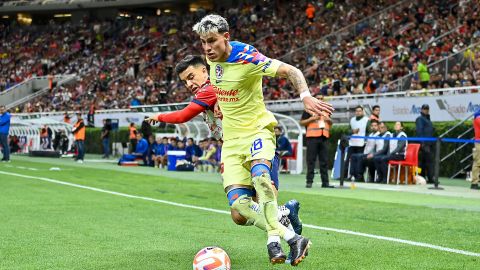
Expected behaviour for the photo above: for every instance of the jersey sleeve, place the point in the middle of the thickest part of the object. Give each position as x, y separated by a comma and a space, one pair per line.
205, 97
186, 114
260, 65
268, 67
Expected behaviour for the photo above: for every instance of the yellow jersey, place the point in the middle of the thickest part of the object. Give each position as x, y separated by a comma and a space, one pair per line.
237, 83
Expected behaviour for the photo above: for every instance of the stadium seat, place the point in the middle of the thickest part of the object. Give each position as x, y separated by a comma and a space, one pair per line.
292, 157
411, 160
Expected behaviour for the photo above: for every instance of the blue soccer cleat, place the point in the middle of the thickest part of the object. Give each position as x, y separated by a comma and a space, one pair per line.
294, 207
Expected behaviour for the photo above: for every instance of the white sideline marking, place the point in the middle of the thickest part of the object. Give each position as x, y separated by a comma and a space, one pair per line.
392, 239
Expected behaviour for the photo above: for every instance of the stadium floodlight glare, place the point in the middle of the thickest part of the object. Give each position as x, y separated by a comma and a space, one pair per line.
5, 17
62, 15
167, 10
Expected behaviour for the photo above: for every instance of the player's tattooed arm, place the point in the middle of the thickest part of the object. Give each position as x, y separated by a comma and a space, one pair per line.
294, 75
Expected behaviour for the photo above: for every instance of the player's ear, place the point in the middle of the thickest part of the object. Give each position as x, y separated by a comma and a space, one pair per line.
226, 35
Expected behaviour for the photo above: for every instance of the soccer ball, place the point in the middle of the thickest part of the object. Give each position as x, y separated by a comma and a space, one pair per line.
419, 180
211, 258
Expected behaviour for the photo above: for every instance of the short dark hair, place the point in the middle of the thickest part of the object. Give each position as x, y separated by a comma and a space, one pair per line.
359, 107
278, 127
189, 60
374, 121
374, 107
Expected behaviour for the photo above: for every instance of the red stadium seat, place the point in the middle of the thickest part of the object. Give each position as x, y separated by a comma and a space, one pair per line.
292, 157
411, 160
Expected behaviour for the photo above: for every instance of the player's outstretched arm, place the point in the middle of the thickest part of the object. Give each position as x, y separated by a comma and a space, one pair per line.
184, 115
312, 105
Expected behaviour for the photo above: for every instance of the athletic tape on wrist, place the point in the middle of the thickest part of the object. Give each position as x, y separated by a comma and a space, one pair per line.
305, 94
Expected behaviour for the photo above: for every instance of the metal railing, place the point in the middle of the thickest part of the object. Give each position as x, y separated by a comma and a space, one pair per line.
459, 153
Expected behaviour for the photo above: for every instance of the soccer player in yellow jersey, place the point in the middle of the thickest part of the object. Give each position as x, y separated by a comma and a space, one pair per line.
236, 71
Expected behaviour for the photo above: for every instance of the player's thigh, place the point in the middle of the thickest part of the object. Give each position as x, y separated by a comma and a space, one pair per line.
232, 169
262, 145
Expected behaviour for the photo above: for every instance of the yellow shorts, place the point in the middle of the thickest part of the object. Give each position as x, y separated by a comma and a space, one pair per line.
238, 153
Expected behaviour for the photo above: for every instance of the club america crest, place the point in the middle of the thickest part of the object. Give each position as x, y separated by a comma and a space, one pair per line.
218, 71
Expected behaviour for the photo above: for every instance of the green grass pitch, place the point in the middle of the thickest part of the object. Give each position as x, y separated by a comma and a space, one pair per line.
45, 225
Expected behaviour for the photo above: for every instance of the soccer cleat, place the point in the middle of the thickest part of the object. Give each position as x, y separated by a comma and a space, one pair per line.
275, 253
299, 246
294, 207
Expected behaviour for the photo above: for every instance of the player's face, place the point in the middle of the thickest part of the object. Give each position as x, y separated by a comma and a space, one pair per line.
194, 77
215, 46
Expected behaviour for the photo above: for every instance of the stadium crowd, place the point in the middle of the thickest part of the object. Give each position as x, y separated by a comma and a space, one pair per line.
130, 62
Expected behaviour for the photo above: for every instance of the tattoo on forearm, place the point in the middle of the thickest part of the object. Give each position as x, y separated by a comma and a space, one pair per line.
297, 79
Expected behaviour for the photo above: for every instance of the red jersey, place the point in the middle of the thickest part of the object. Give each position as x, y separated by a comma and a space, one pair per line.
204, 99
203, 102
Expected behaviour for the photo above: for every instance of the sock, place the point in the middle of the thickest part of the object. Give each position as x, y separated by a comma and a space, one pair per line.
268, 205
251, 211
273, 239
288, 235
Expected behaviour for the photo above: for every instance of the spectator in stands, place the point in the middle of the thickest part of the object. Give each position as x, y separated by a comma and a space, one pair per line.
310, 12
423, 74
284, 147
375, 113
193, 152
396, 151
4, 129
79, 134
424, 128
141, 151
362, 160
476, 152
105, 137
133, 137
358, 127
318, 133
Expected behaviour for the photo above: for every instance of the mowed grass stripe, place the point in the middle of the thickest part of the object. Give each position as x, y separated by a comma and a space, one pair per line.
408, 242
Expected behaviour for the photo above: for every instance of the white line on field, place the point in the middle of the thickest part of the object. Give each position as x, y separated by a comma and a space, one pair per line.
408, 242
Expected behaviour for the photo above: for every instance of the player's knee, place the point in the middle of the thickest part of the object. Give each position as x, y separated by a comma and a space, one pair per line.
237, 194
260, 167
237, 218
